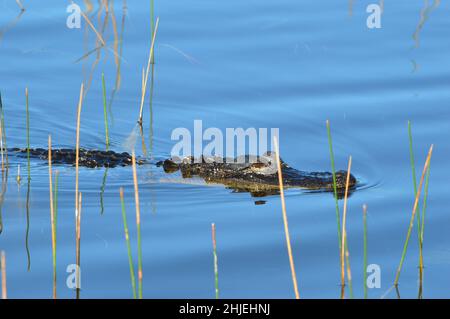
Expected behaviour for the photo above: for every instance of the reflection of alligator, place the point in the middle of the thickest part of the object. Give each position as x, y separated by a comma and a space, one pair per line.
259, 176
87, 158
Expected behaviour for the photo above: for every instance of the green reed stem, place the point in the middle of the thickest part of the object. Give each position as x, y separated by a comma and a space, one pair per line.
338, 218
29, 180
27, 231
413, 169
127, 238
411, 155
145, 77
5, 148
333, 170
411, 223
105, 114
152, 85
152, 22
365, 250
28, 132
420, 219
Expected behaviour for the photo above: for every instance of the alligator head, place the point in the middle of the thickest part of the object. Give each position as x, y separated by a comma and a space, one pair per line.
257, 175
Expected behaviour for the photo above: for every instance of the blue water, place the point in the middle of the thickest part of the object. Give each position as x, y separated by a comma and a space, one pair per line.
282, 64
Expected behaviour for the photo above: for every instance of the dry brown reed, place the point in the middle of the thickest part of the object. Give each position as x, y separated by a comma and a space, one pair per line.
78, 248
52, 213
150, 59
285, 220
344, 231
77, 151
138, 225
3, 267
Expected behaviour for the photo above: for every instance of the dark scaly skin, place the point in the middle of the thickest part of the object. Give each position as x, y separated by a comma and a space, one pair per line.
251, 177
87, 158
241, 177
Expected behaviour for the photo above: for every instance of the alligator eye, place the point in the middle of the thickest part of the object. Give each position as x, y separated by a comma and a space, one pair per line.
258, 165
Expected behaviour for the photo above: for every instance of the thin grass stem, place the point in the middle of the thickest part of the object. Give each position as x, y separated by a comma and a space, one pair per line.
338, 217
424, 206
152, 86
2, 149
152, 22
2, 196
3, 268
127, 238
28, 132
138, 225
413, 169
365, 250
420, 219
333, 171
55, 203
411, 223
77, 151
3, 139
150, 58
52, 213
344, 220
78, 248
216, 265
27, 233
105, 114
285, 220
349, 273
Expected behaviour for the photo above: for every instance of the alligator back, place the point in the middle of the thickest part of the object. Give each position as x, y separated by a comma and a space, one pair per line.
87, 158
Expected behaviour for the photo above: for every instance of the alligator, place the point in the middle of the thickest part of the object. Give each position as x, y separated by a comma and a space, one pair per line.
87, 158
256, 175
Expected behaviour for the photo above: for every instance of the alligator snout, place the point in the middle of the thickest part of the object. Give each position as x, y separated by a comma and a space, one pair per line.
341, 180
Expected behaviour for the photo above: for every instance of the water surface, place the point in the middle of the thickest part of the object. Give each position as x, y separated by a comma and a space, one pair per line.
286, 64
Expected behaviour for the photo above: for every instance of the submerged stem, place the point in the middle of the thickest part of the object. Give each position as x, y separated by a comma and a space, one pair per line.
127, 238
